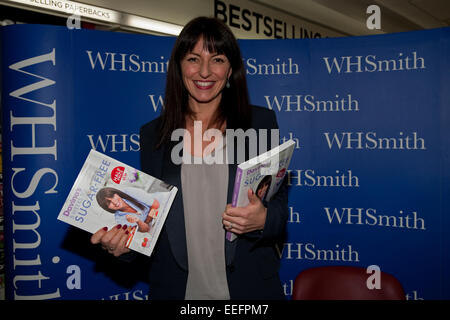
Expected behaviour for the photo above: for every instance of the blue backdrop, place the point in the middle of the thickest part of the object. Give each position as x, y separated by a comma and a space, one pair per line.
369, 177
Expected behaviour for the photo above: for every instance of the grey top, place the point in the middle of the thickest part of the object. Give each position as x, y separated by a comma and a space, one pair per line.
204, 188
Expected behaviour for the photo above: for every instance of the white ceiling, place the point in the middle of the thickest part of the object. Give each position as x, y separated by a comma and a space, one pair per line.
344, 17
349, 16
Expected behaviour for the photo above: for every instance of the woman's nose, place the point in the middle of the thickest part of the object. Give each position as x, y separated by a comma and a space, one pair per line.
204, 69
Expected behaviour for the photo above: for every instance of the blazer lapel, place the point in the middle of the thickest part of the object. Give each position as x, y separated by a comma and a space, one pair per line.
175, 224
175, 227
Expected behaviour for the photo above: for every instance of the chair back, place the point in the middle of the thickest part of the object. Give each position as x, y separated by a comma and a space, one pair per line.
344, 283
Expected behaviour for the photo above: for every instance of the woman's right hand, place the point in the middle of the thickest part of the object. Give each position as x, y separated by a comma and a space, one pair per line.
113, 241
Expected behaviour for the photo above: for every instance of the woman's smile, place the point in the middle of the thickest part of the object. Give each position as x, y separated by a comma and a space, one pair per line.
204, 74
204, 85
116, 202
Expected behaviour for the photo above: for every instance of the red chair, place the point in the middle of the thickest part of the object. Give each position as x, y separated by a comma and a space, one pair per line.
344, 283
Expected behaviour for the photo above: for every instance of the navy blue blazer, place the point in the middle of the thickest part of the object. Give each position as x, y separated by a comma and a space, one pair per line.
252, 259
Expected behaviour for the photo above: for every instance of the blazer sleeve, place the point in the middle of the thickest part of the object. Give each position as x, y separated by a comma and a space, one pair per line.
277, 214
277, 207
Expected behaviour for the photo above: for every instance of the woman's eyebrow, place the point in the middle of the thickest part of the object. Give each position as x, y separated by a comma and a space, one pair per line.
213, 54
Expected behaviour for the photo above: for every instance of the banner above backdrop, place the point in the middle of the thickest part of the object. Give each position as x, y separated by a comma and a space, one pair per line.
369, 178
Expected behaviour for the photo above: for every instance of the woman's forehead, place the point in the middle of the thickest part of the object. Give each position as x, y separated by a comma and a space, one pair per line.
204, 43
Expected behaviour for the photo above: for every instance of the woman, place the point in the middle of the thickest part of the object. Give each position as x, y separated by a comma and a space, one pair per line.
192, 259
128, 211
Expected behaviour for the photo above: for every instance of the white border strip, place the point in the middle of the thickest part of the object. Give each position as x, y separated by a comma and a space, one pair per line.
112, 17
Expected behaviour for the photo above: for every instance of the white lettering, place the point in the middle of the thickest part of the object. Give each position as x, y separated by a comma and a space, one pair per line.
309, 251
371, 217
370, 141
371, 63
74, 280
374, 20
374, 281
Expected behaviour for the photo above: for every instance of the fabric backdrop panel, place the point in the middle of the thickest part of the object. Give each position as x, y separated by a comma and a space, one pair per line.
370, 118
100, 87
369, 179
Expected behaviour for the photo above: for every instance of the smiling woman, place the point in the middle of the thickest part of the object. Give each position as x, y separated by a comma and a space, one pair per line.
204, 75
206, 52
206, 89
128, 211
111, 200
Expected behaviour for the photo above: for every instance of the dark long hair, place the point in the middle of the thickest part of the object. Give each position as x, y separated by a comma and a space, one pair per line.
266, 181
108, 192
234, 107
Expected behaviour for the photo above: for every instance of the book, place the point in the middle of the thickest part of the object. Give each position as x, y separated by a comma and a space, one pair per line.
108, 192
263, 174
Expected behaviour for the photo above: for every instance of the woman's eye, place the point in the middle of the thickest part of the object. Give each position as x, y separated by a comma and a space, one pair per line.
191, 59
219, 60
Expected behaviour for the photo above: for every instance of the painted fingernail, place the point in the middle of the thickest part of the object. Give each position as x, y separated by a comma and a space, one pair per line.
105, 228
124, 227
119, 226
126, 232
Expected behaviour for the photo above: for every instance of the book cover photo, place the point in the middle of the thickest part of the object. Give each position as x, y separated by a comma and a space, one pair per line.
108, 192
263, 174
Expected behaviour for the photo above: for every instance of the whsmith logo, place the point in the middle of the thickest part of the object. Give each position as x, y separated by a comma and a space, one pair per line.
311, 251
372, 63
275, 67
311, 103
370, 217
125, 62
28, 198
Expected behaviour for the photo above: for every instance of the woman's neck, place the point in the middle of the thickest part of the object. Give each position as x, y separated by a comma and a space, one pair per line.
204, 112
204, 117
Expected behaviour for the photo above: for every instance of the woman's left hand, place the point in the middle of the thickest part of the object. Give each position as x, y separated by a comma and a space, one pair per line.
245, 219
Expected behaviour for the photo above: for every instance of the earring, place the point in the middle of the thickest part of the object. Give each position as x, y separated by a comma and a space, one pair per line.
228, 83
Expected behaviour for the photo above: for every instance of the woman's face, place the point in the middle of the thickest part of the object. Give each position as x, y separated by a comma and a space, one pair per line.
204, 74
116, 202
262, 191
